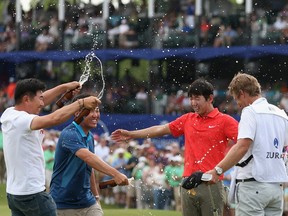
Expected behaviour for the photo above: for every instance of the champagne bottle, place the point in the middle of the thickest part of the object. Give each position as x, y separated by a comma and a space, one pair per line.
84, 112
107, 184
64, 99
111, 183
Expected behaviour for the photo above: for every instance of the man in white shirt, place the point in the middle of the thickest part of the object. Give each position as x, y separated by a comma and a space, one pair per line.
258, 153
23, 134
101, 148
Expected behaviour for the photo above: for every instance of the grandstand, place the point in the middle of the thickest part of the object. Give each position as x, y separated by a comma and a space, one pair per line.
149, 58
162, 53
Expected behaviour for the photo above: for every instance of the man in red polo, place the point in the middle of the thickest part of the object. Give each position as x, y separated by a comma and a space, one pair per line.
207, 133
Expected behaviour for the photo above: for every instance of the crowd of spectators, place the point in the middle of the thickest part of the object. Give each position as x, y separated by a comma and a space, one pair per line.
128, 26
138, 99
157, 173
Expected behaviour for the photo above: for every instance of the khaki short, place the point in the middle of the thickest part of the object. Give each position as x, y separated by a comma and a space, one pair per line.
94, 210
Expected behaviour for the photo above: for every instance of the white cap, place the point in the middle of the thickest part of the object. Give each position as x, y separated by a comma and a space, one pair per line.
132, 143
177, 158
168, 148
142, 159
49, 142
119, 150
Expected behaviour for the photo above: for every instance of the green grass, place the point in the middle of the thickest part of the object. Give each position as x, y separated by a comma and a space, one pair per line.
108, 210
137, 212
3, 202
3, 199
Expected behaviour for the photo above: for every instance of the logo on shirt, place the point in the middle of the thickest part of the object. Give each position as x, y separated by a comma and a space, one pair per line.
276, 143
274, 155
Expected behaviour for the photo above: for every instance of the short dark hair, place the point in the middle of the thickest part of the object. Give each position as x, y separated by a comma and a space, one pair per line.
201, 87
27, 87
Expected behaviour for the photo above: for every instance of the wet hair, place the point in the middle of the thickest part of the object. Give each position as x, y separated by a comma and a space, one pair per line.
245, 82
28, 87
201, 87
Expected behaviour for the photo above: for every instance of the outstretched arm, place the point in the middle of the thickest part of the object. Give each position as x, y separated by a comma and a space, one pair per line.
98, 164
151, 132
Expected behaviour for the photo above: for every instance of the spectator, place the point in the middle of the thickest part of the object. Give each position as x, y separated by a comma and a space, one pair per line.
49, 155
148, 181
142, 98
119, 31
190, 14
101, 148
137, 173
10, 91
54, 28
160, 187
4, 102
69, 33
173, 175
204, 33
131, 163
82, 39
280, 23
119, 163
43, 40
2, 161
284, 102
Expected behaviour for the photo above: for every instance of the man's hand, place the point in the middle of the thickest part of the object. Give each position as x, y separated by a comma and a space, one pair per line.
90, 102
215, 177
193, 180
120, 135
73, 85
121, 179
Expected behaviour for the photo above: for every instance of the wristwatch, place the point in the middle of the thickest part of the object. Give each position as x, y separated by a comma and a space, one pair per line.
219, 170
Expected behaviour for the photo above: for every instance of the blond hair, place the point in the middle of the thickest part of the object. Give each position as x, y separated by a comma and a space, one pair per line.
245, 82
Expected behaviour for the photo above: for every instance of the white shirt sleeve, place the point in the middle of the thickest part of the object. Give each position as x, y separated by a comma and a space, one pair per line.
247, 124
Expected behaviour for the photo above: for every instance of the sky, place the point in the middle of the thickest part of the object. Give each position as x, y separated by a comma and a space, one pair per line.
26, 3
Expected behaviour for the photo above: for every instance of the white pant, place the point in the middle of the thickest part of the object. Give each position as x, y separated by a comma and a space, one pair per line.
258, 199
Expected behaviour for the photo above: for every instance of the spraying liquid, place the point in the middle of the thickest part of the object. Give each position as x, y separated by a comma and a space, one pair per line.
88, 74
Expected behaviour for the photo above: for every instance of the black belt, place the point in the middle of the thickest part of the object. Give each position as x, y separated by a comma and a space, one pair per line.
245, 180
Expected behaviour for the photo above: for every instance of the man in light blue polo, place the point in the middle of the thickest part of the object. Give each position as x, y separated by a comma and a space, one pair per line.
73, 185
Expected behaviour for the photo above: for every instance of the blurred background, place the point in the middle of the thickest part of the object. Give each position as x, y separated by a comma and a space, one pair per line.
151, 51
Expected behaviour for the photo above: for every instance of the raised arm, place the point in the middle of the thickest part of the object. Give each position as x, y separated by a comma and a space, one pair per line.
51, 94
61, 115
